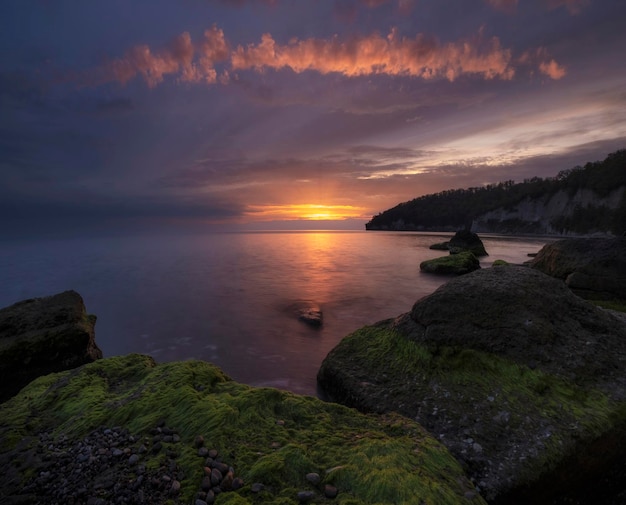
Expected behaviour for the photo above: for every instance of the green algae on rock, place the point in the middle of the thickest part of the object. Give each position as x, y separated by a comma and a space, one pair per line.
511, 371
454, 264
269, 436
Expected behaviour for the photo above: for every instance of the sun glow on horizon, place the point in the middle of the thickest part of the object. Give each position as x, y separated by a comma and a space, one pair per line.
305, 211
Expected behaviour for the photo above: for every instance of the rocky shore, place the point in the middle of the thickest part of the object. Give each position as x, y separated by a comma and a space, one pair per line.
501, 387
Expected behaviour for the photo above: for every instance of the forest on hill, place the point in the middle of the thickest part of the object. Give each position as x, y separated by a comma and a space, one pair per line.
459, 208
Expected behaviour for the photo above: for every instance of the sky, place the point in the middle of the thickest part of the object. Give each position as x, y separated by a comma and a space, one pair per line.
258, 114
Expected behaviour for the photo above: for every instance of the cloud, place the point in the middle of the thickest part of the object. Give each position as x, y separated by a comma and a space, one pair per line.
503, 5
422, 56
552, 69
177, 59
573, 6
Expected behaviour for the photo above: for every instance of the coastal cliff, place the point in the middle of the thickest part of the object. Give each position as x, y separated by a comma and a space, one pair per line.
561, 213
589, 200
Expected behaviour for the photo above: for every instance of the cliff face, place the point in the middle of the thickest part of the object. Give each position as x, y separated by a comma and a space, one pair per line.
560, 213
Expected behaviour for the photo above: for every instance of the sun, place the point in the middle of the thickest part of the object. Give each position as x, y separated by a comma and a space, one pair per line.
305, 211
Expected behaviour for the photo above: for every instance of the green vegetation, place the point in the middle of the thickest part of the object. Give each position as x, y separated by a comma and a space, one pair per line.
454, 264
384, 370
457, 208
618, 305
500, 263
269, 436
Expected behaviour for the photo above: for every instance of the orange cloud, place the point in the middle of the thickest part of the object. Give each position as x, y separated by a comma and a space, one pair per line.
552, 69
421, 56
179, 58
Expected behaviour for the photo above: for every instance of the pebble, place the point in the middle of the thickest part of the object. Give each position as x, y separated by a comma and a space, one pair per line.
175, 489
106, 468
257, 487
313, 478
96, 470
305, 496
330, 491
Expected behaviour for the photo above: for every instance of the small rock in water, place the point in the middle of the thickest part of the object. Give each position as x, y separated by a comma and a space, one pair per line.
308, 312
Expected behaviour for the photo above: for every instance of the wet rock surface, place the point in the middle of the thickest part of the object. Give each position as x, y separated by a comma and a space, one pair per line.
44, 335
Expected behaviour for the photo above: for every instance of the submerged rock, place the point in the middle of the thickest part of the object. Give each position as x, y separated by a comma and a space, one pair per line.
590, 266
308, 312
521, 379
454, 264
44, 335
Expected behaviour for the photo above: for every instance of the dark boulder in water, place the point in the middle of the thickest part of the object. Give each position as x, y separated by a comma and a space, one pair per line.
465, 240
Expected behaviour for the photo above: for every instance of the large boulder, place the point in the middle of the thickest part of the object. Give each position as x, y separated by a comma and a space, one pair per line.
593, 267
44, 335
522, 380
453, 264
128, 430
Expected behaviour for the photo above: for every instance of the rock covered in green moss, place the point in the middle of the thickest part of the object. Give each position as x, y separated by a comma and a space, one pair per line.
454, 264
516, 375
44, 335
273, 439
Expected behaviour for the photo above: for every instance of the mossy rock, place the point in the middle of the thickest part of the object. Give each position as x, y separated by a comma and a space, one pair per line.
523, 381
43, 335
500, 263
268, 436
454, 264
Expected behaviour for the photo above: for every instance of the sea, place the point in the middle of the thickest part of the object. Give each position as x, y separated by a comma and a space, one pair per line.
228, 297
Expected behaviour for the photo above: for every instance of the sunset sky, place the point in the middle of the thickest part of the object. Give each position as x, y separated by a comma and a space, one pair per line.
293, 113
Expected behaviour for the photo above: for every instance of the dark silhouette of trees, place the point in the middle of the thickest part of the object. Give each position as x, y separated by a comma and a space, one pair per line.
457, 208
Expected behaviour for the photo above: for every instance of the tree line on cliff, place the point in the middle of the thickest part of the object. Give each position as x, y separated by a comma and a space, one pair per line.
457, 208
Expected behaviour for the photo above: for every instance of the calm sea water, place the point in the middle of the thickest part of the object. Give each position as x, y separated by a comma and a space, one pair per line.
225, 297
